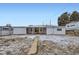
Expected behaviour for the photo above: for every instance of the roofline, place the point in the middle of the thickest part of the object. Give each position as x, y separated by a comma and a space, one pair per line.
47, 26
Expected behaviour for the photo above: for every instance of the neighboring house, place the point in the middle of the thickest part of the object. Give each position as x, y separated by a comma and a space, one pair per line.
72, 28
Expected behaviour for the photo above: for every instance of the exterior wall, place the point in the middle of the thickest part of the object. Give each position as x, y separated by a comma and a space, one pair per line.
72, 26
0, 30
36, 30
72, 29
0, 33
53, 30
56, 31
5, 33
50, 30
42, 30
19, 30
4, 30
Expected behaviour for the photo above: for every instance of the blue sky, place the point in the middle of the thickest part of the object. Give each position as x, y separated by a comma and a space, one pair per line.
33, 14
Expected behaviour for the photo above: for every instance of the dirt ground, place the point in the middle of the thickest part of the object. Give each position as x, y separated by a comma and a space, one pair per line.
47, 45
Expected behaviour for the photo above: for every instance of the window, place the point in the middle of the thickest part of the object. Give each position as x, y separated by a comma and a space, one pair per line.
29, 30
0, 28
59, 29
5, 28
72, 25
36, 29
68, 26
42, 30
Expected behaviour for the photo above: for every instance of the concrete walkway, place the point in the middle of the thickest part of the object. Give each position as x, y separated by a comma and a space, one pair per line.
34, 47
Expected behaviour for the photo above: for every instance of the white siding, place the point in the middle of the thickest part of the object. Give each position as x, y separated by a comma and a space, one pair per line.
49, 30
72, 26
53, 30
18, 30
5, 32
59, 32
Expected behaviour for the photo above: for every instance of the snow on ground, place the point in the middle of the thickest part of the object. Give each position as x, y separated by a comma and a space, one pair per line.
59, 39
50, 44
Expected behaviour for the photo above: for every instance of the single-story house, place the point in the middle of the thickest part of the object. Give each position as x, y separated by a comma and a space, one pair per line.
32, 29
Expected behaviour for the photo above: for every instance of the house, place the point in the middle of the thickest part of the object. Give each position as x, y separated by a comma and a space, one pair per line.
32, 30
72, 28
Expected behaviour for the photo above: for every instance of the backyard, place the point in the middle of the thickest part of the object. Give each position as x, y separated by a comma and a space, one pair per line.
47, 44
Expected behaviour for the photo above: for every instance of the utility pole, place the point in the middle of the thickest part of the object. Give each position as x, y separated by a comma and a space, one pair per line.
50, 22
43, 23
